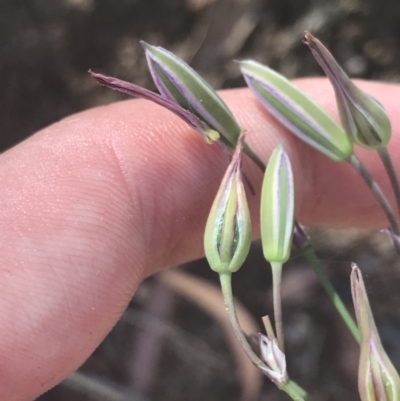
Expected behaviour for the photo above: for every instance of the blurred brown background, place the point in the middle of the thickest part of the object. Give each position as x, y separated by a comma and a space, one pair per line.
168, 347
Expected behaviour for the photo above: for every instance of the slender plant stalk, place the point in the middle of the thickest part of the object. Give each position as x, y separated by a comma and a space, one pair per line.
330, 290
226, 286
290, 387
268, 327
293, 390
377, 191
324, 280
276, 290
391, 172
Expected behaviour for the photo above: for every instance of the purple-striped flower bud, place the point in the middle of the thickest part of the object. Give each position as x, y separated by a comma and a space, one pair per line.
208, 133
227, 237
277, 207
296, 111
378, 379
362, 116
178, 82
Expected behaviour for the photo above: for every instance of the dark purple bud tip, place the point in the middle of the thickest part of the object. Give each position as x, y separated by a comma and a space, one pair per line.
301, 239
137, 91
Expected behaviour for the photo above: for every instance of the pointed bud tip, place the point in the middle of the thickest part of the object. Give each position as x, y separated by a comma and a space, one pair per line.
363, 117
100, 78
356, 274
308, 38
145, 45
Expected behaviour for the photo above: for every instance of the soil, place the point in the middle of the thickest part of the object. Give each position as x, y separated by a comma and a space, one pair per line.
165, 347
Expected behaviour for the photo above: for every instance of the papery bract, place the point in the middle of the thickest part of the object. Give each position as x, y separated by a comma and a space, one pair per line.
274, 359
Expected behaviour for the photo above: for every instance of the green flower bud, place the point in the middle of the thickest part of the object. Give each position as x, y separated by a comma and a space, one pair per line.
227, 237
178, 82
277, 207
362, 116
296, 111
378, 379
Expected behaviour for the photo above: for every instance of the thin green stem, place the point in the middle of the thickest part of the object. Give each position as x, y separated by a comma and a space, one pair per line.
377, 191
226, 286
330, 290
290, 387
310, 253
277, 299
391, 172
294, 391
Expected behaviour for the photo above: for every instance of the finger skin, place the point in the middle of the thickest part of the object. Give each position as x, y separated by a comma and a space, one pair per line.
94, 203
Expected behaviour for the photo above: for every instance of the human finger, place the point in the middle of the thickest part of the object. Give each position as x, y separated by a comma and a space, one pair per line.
92, 204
